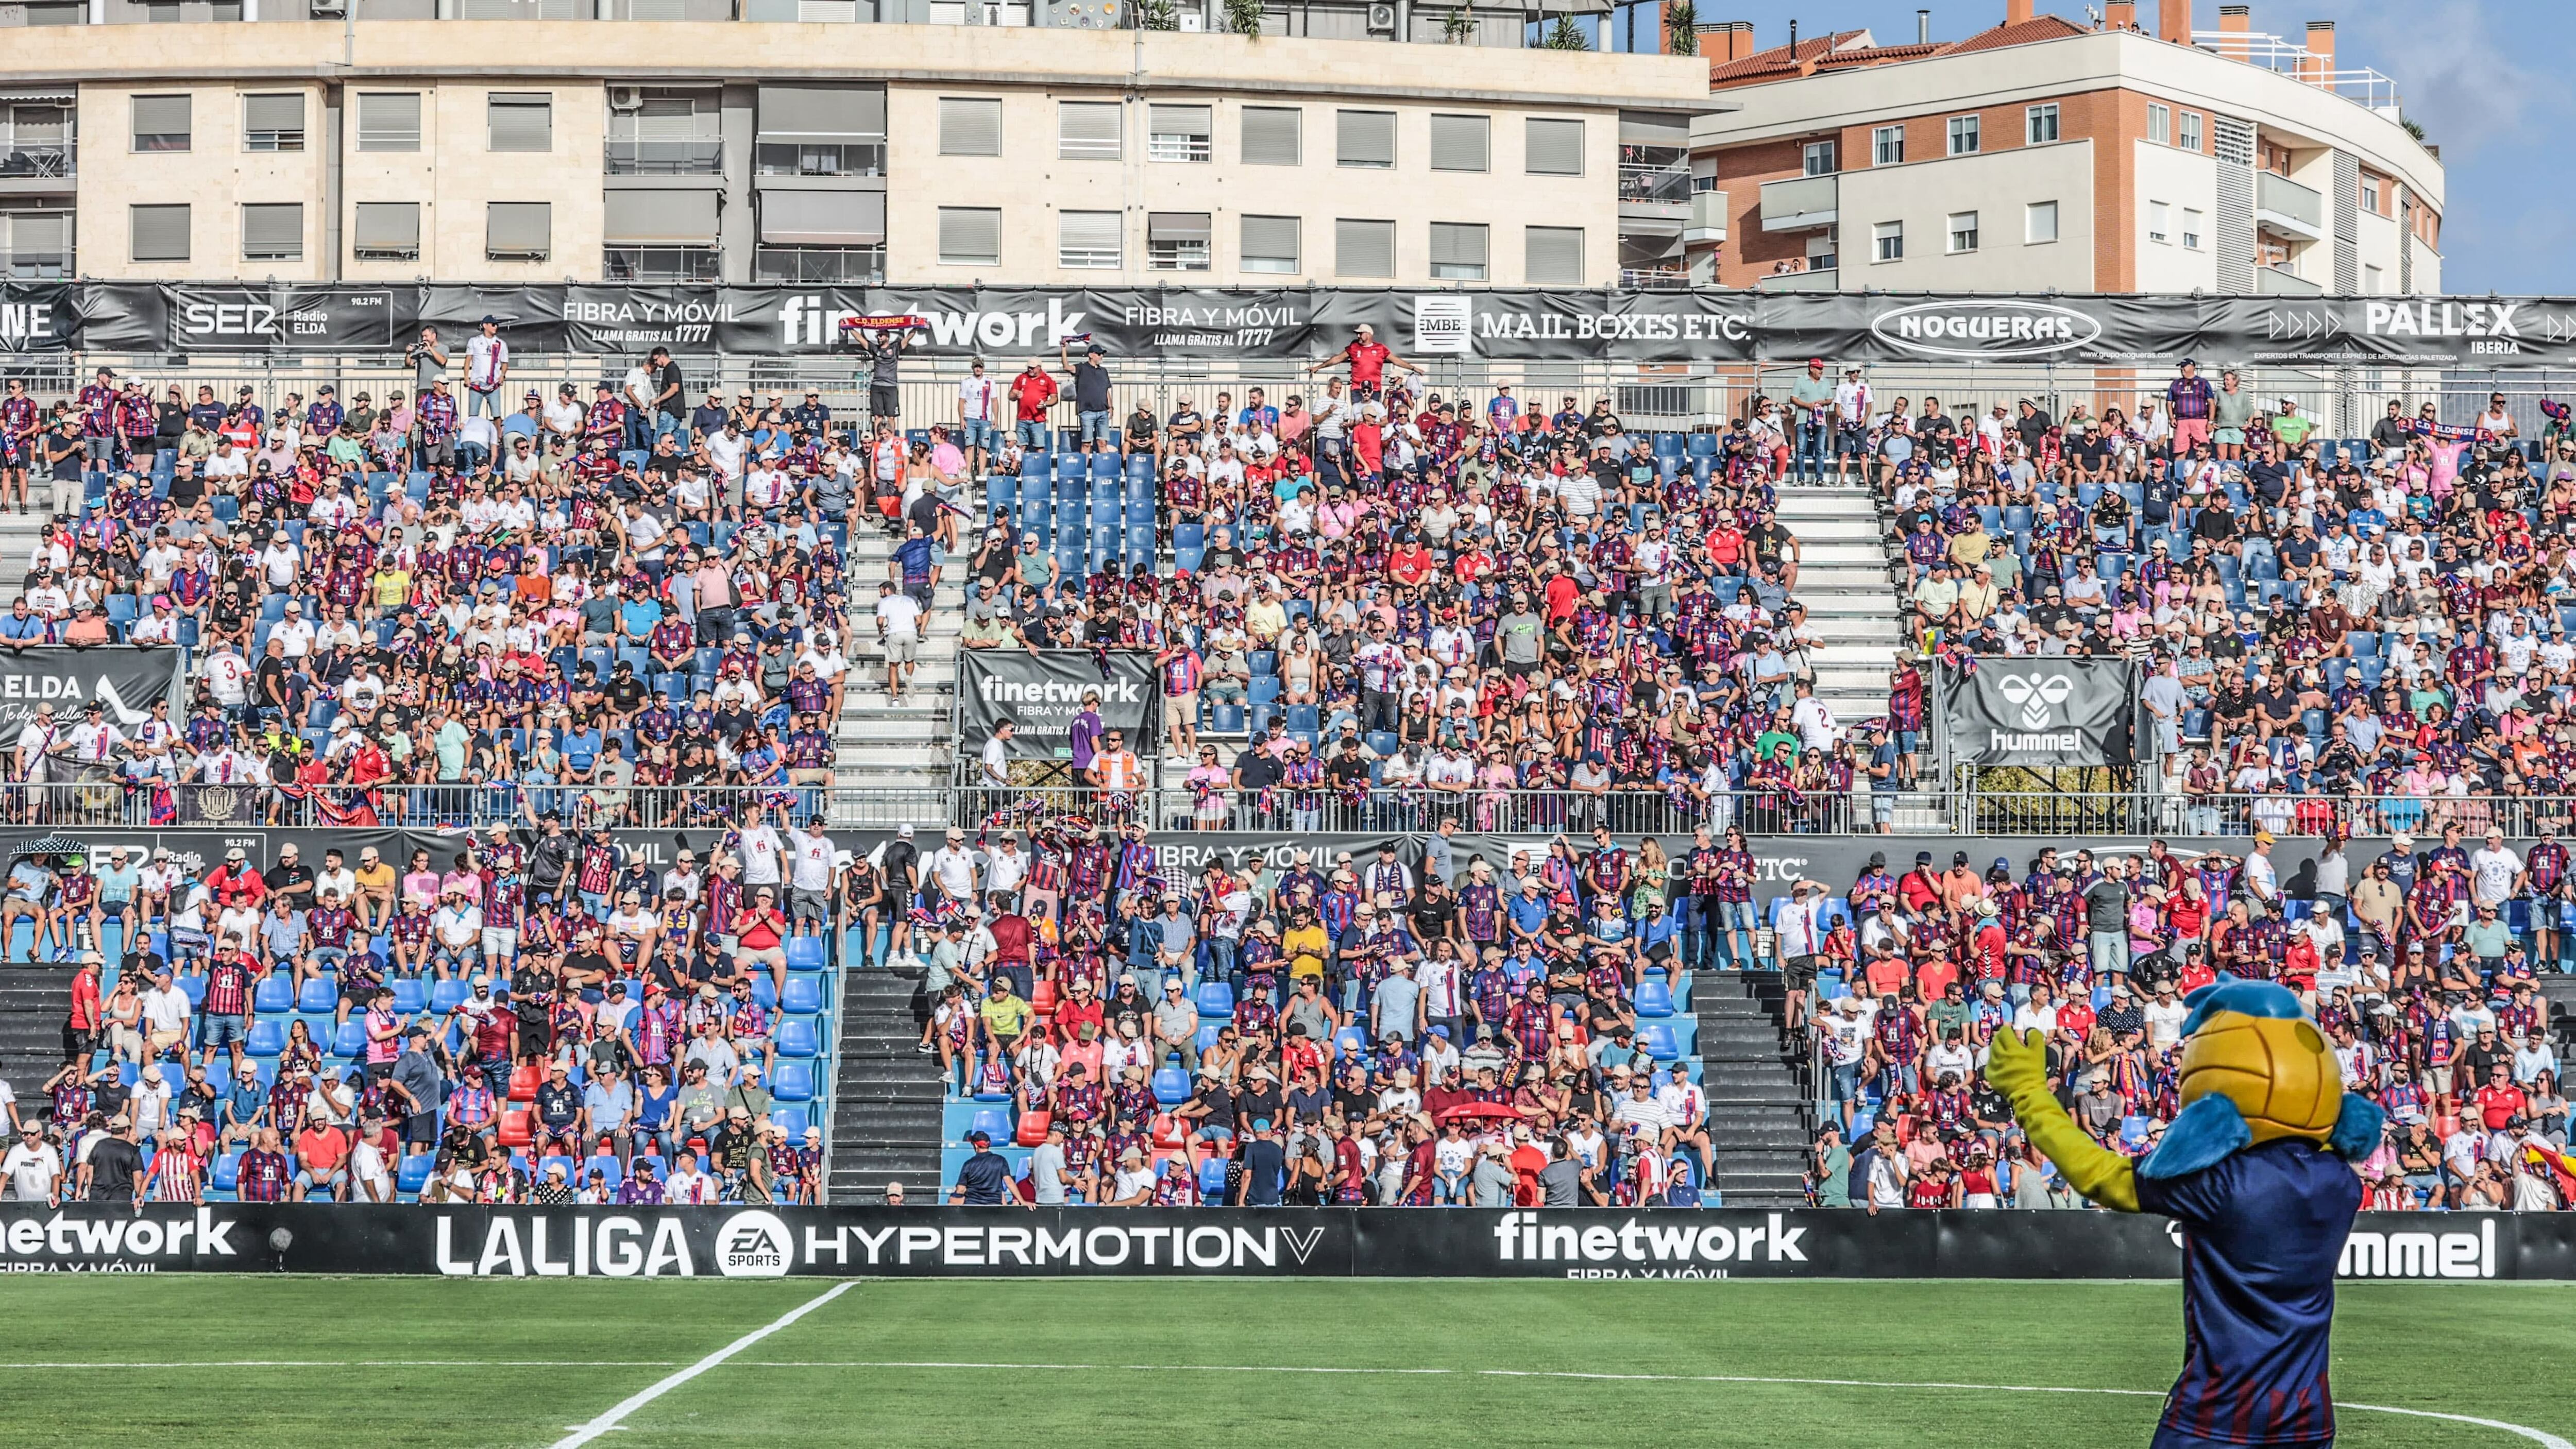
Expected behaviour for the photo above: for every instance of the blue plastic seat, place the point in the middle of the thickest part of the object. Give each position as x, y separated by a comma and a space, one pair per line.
1212, 1178
1216, 999
274, 993
994, 1122
796, 1038
1654, 999
411, 995
793, 1082
267, 1037
805, 953
446, 996
1658, 1040
415, 1172
1349, 1041
318, 994
349, 1040
1171, 1086
226, 1176
804, 995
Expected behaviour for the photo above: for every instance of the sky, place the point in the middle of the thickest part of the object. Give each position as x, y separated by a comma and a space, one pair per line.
2483, 77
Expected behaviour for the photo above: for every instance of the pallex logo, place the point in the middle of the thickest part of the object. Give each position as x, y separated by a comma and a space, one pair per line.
1988, 329
754, 1244
2038, 698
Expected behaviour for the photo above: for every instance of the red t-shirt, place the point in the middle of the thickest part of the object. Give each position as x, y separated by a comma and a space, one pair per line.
1933, 978
2498, 1105
1033, 392
1368, 361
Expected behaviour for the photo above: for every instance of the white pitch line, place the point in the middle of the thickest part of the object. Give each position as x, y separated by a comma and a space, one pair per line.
367, 1363
608, 1421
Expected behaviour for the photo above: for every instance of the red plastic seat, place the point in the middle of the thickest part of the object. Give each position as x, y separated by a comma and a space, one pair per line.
1043, 998
518, 1129
1033, 1128
525, 1078
1167, 1131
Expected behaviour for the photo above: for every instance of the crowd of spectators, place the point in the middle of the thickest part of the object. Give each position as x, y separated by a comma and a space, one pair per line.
625, 607
2416, 967
548, 1019
1317, 1029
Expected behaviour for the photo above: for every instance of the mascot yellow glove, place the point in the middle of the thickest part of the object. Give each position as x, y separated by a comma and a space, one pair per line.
2017, 1066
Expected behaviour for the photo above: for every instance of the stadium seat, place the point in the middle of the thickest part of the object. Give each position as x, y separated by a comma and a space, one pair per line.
796, 1038
415, 1173
1212, 1178
318, 994
267, 1037
1216, 999
1657, 1038
275, 993
525, 1078
794, 1119
805, 953
1171, 1086
411, 995
793, 1081
517, 1128
1032, 1131
804, 995
1654, 999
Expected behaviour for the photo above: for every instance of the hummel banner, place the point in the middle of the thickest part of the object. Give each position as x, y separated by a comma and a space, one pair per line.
124, 682
1044, 693
2043, 712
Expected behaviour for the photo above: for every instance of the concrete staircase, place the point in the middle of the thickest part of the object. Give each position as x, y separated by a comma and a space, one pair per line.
887, 1098
18, 535
1853, 606
900, 747
1760, 1121
34, 1000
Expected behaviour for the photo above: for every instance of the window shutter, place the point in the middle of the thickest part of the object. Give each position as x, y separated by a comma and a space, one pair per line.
970, 235
161, 116
1555, 147
1270, 244
522, 122
1089, 238
518, 228
810, 111
389, 121
660, 218
387, 226
970, 126
1458, 143
1555, 256
273, 231
1364, 248
1273, 136
273, 113
1456, 244
823, 218
160, 233
1087, 130
1366, 138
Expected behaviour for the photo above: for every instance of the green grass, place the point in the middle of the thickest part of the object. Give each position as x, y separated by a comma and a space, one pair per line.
334, 1370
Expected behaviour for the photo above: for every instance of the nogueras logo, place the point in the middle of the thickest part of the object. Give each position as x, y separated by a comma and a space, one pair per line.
810, 320
1990, 328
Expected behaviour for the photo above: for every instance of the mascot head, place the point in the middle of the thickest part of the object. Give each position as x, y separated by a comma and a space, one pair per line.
2256, 1070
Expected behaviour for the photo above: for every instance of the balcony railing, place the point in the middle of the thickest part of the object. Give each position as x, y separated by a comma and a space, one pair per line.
2286, 206
2362, 86
857, 157
2278, 282
1655, 185
27, 160
32, 266
1708, 217
1800, 202
1655, 279
696, 156
1814, 279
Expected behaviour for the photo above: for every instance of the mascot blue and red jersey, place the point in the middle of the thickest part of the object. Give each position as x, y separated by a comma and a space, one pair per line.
2257, 1169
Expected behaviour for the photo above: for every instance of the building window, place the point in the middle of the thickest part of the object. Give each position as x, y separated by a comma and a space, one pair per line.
662, 264
970, 126
1553, 256
2189, 138
1364, 138
386, 231
806, 266
1967, 135
1887, 146
2159, 222
161, 124
1274, 136
1088, 241
160, 233
1457, 252
1087, 130
520, 121
35, 245
970, 236
1363, 248
2190, 229
1179, 241
1461, 143
1963, 231
273, 231
820, 236
2373, 281
2370, 194
389, 120
273, 123
1887, 242
663, 131
518, 231
1555, 147
2042, 125
1819, 158
1180, 133
820, 131
2160, 124
2039, 222
1270, 244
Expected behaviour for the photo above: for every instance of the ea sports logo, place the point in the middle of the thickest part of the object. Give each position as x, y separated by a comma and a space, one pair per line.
754, 1244
2037, 697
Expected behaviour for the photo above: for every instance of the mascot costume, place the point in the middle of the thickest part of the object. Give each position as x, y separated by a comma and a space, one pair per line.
2256, 1167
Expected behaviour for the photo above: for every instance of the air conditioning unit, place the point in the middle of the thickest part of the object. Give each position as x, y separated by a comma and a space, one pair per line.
626, 98
327, 9
1381, 20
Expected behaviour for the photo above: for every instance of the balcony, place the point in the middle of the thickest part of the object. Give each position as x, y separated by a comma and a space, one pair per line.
1707, 218
1654, 185
695, 156
2286, 208
2277, 282
856, 156
1800, 203
38, 161
1814, 279
1655, 279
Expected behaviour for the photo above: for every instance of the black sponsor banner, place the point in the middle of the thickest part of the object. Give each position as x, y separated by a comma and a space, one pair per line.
1043, 692
756, 1242
1304, 323
2044, 712
282, 318
124, 680
199, 851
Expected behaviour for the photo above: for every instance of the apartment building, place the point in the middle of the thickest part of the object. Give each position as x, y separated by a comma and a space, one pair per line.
2041, 154
816, 144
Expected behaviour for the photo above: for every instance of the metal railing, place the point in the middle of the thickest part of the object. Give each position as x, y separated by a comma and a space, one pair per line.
2360, 85
1403, 810
2032, 809
27, 160
696, 156
1661, 185
106, 799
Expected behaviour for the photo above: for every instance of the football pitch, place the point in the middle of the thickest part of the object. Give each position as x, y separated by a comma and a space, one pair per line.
291, 1361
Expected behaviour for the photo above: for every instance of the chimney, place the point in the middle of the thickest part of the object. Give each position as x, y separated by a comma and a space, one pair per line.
1726, 40
2121, 14
2318, 68
2173, 21
1922, 27
2235, 27
2017, 11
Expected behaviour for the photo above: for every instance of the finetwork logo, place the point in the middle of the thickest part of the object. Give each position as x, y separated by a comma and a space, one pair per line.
1117, 689
811, 321
754, 1244
113, 1238
1669, 1242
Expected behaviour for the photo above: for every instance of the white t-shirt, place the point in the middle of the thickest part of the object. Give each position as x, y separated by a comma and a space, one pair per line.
484, 359
2491, 874
975, 399
760, 849
32, 1171
813, 864
901, 617
373, 1179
